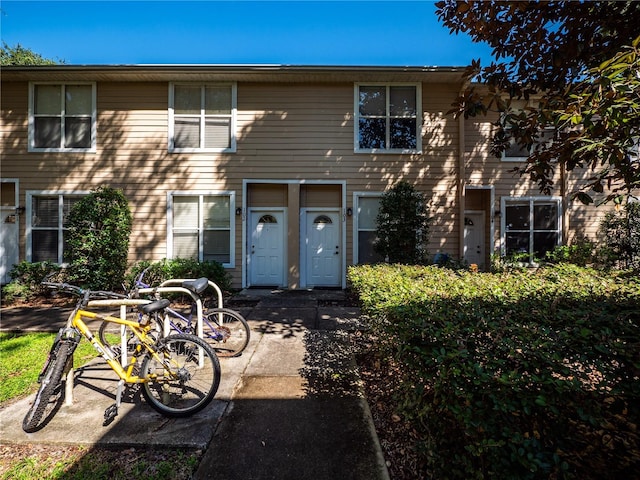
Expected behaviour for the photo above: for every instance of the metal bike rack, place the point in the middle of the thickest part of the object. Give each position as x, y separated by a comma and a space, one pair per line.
199, 314
169, 286
164, 288
123, 303
180, 280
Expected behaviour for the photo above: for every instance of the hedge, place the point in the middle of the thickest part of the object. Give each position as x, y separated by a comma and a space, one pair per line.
513, 375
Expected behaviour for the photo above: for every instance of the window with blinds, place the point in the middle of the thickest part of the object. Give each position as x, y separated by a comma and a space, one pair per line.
202, 227
62, 117
202, 117
366, 212
48, 225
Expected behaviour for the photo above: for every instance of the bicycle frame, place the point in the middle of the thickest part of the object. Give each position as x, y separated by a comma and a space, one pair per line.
189, 320
140, 332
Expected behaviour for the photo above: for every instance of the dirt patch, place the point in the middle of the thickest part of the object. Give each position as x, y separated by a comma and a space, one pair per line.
397, 437
47, 462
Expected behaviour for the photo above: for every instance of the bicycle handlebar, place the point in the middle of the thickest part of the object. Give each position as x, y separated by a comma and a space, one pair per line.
67, 287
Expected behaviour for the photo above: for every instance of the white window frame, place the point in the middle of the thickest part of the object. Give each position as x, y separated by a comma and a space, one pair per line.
522, 104
31, 125
29, 213
201, 194
233, 118
532, 200
520, 158
356, 119
356, 227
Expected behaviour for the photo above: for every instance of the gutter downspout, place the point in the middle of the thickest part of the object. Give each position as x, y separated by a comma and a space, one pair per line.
565, 204
461, 178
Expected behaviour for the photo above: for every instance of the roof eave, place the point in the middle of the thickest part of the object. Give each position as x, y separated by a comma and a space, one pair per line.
249, 73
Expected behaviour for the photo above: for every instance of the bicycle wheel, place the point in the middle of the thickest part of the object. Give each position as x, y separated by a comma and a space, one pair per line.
226, 331
176, 384
50, 390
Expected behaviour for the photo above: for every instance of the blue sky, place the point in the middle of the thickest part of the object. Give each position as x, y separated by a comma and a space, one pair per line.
237, 32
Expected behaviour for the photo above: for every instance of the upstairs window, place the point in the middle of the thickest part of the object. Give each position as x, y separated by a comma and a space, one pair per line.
387, 118
62, 117
202, 118
516, 152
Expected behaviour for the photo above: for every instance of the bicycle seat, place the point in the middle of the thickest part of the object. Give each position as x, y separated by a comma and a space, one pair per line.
197, 286
154, 306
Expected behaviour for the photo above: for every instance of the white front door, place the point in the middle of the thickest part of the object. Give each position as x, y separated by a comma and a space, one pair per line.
321, 245
474, 241
266, 248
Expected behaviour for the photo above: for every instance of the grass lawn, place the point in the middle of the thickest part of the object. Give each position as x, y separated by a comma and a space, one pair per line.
23, 355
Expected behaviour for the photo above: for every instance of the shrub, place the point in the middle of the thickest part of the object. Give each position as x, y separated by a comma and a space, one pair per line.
26, 279
179, 268
621, 233
402, 226
513, 375
97, 241
579, 253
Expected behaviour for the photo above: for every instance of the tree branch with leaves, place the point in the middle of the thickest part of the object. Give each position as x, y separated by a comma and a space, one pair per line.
20, 55
579, 61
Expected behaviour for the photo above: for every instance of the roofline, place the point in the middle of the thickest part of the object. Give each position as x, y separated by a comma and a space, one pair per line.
212, 72
238, 66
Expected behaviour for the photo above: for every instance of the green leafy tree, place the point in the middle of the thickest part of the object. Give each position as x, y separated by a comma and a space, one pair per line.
97, 241
20, 55
402, 225
621, 230
579, 60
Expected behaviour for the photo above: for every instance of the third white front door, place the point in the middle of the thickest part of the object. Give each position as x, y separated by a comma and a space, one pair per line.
322, 251
474, 234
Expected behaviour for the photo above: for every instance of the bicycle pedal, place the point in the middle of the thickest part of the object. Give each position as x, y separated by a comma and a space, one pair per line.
110, 414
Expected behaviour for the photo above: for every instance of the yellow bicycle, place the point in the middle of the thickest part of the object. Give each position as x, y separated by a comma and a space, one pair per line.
179, 374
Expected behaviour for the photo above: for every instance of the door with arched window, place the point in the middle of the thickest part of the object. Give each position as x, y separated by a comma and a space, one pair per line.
266, 248
322, 249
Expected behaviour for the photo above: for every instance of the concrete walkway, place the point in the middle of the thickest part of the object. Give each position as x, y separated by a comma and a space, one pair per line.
288, 408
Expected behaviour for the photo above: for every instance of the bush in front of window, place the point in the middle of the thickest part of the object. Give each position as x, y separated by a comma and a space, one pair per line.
580, 252
26, 279
167, 269
97, 241
403, 226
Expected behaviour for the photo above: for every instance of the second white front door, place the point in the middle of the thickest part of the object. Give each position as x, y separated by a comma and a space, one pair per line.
322, 253
266, 248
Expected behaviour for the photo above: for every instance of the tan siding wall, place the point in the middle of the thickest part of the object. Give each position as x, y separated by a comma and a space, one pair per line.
482, 168
284, 132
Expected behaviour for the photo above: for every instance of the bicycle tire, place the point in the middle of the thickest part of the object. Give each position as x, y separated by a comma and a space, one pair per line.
188, 388
230, 336
51, 381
